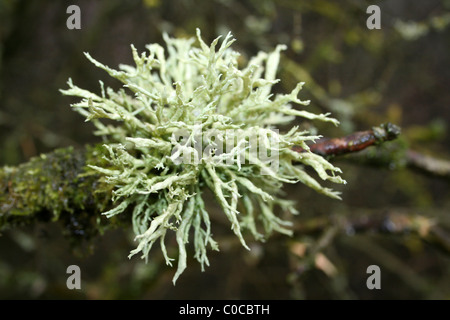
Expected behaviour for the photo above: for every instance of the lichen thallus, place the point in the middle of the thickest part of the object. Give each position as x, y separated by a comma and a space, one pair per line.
194, 88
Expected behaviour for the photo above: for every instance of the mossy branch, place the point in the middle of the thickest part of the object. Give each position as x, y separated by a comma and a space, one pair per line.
61, 185
56, 186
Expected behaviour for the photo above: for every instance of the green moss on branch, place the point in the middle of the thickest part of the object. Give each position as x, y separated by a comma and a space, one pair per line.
56, 186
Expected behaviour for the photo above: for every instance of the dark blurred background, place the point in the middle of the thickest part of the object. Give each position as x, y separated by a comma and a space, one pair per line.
364, 77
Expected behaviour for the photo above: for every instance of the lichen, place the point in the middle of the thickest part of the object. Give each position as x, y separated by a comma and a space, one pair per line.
191, 123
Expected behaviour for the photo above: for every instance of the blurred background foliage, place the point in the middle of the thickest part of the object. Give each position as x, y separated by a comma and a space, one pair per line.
390, 216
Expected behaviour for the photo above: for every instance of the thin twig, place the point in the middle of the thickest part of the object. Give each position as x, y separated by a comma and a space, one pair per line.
428, 164
394, 221
354, 142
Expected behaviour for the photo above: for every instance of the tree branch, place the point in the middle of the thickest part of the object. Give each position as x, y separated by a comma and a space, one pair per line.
399, 221
59, 185
354, 142
56, 186
428, 165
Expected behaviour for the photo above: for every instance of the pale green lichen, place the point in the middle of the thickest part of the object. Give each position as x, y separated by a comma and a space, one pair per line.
199, 92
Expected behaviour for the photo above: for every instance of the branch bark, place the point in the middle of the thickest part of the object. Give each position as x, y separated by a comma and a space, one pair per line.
354, 142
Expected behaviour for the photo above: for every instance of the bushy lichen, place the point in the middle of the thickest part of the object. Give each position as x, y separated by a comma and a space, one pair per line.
198, 93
